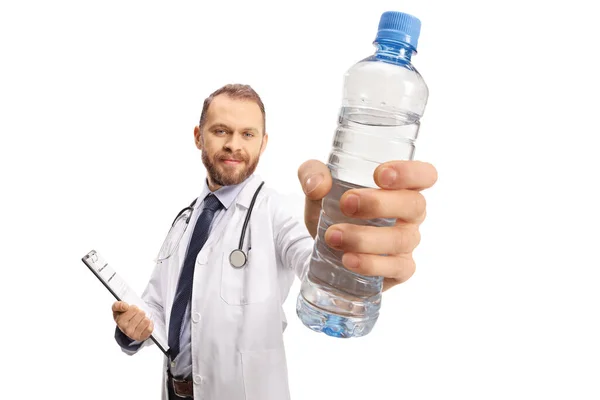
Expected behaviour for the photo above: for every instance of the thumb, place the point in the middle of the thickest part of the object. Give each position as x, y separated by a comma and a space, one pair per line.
315, 179
120, 306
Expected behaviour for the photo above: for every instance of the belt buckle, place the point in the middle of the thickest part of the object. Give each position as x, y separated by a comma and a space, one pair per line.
178, 383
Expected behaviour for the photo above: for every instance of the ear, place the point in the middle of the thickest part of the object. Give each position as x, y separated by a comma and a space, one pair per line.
263, 146
197, 137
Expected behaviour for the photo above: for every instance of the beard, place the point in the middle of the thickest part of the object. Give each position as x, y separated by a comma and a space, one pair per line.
222, 177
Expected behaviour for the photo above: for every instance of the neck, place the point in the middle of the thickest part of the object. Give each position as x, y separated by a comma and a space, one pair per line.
396, 52
212, 185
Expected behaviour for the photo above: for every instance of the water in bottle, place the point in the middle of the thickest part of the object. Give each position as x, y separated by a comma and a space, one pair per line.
384, 97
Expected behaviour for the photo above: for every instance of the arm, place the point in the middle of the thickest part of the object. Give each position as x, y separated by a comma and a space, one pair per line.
293, 242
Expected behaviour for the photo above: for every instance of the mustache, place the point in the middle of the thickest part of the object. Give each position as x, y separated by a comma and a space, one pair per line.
229, 156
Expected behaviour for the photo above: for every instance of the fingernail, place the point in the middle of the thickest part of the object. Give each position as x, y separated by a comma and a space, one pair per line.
313, 182
387, 176
351, 204
335, 238
350, 261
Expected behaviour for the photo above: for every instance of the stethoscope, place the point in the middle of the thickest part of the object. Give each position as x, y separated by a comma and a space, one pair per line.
237, 258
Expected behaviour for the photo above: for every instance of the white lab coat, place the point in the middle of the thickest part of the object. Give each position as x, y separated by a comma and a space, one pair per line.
237, 316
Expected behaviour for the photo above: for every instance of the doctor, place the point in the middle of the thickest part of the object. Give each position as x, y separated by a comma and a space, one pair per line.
225, 324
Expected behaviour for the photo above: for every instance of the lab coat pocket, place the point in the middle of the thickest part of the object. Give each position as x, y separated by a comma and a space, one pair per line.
246, 285
265, 374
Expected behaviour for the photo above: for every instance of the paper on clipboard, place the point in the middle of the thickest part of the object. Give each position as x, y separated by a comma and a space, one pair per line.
121, 291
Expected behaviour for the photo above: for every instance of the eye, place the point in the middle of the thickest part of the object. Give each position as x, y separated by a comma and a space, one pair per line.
220, 132
248, 134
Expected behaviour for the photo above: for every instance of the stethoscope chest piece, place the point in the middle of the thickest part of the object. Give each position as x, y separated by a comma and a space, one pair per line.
237, 258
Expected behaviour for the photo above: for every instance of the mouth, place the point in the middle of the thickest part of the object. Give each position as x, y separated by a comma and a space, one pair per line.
231, 161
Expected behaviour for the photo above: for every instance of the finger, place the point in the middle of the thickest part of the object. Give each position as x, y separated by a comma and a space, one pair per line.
148, 331
118, 308
372, 239
406, 205
150, 328
396, 268
405, 174
419, 220
124, 319
141, 329
315, 179
133, 323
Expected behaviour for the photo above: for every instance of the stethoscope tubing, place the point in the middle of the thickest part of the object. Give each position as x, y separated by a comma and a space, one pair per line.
237, 257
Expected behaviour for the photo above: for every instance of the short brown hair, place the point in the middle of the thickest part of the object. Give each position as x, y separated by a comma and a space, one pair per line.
235, 91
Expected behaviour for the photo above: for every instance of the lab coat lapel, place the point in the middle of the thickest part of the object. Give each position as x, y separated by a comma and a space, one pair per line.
243, 199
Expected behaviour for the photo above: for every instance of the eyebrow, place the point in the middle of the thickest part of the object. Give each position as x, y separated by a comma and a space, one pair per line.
227, 128
219, 125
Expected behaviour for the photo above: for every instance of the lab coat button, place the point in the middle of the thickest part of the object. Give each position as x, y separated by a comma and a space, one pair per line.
198, 380
202, 259
196, 317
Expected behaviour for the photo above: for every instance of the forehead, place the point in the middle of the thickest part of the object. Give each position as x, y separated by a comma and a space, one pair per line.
236, 113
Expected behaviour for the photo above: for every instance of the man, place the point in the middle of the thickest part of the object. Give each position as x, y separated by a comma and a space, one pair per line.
225, 324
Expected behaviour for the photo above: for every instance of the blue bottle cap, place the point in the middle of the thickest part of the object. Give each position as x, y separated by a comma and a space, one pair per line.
399, 27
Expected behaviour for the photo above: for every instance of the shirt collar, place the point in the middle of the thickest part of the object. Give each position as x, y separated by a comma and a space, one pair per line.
225, 194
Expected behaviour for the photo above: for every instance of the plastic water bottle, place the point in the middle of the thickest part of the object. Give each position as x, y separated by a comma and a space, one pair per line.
384, 97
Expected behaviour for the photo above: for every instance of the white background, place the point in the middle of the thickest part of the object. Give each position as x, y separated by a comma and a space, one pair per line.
98, 101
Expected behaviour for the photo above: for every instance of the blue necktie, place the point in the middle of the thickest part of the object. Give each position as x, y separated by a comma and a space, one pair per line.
184, 286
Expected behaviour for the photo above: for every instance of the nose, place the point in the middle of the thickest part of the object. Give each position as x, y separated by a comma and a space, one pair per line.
233, 143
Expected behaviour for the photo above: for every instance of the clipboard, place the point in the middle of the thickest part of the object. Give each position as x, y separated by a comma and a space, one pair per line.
121, 291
